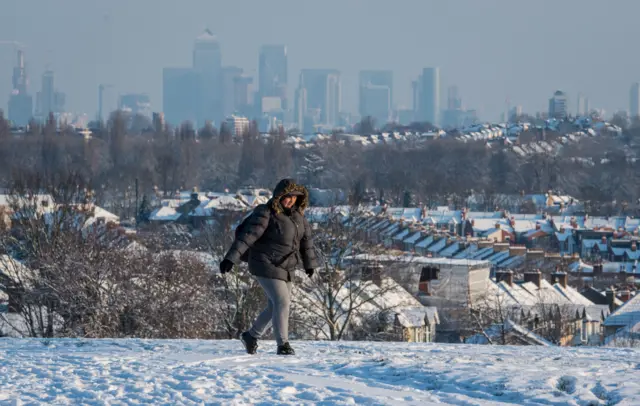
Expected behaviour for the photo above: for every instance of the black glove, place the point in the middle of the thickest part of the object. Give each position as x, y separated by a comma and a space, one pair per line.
225, 266
309, 272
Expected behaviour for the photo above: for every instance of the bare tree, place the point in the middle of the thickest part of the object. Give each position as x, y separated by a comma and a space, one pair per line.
331, 302
237, 295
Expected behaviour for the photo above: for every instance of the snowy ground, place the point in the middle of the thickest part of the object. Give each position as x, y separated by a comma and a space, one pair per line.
219, 372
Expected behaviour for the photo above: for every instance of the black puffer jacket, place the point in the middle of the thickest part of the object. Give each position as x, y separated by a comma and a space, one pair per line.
278, 240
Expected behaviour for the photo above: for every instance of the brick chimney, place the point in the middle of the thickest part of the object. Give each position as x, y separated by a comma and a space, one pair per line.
611, 299
560, 277
597, 269
194, 194
533, 276
372, 275
625, 295
506, 275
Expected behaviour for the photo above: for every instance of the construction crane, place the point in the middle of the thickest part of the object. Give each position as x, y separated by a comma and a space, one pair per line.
16, 44
19, 79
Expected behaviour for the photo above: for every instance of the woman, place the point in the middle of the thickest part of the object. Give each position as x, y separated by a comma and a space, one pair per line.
278, 239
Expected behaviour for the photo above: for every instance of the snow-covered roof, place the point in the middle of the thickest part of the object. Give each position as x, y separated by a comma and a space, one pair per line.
402, 234
437, 246
450, 250
467, 252
416, 316
164, 213
628, 315
419, 260
16, 271
413, 238
226, 202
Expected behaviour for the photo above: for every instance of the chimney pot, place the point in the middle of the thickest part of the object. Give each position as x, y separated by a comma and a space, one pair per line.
611, 299
560, 278
533, 276
506, 276
625, 295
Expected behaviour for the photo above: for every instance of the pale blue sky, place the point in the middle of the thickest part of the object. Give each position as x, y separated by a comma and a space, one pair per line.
491, 49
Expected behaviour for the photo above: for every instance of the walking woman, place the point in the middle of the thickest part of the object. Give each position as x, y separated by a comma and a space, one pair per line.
277, 239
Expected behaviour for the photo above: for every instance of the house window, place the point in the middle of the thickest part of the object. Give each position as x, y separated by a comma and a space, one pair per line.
429, 273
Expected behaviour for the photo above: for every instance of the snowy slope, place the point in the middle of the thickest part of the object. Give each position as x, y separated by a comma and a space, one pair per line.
218, 372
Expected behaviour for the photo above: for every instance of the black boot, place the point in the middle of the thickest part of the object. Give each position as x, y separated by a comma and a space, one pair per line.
250, 343
285, 349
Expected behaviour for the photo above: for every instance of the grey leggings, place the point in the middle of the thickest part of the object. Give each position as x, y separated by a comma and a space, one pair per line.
277, 312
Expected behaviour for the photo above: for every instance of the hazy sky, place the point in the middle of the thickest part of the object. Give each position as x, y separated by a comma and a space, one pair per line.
491, 49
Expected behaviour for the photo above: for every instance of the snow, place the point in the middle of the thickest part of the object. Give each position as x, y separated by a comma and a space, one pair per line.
627, 315
165, 213
194, 372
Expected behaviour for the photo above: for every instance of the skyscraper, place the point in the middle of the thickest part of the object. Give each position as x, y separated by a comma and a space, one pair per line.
243, 95
46, 95
136, 103
415, 99
181, 95
229, 75
300, 112
333, 99
272, 73
454, 102
207, 62
20, 102
430, 96
634, 100
376, 94
558, 105
48, 100
581, 109
324, 91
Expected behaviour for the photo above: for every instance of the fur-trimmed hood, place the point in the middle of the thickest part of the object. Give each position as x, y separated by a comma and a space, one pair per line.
286, 187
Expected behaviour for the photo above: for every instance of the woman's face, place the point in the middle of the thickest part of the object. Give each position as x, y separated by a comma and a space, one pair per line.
288, 201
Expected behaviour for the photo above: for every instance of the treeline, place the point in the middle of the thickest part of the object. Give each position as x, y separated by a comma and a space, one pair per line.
599, 170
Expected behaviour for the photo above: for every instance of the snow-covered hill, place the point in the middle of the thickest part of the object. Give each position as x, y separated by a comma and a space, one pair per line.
196, 372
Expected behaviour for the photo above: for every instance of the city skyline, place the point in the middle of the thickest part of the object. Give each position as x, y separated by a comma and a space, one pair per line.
110, 53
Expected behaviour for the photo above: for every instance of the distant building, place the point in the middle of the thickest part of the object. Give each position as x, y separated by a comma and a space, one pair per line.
243, 95
136, 103
581, 106
207, 62
376, 103
20, 102
181, 95
48, 100
558, 105
430, 96
272, 74
587, 106
405, 116
515, 113
454, 101
238, 125
455, 116
376, 95
229, 75
300, 112
634, 100
415, 92
324, 92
